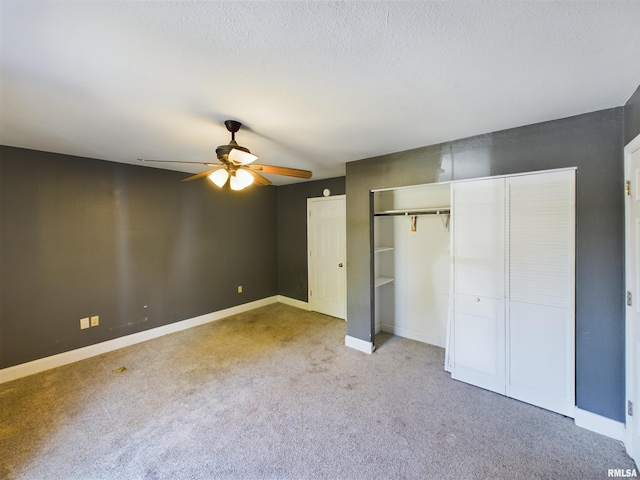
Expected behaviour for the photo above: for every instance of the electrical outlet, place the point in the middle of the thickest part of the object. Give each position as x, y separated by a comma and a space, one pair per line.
95, 321
239, 288
84, 323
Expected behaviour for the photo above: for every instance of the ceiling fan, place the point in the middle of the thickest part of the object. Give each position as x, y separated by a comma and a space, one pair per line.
236, 165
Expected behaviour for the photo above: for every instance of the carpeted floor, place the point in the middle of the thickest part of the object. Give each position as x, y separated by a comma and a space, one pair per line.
274, 393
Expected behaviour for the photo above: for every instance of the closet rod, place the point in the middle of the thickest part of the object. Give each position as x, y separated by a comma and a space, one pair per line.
414, 213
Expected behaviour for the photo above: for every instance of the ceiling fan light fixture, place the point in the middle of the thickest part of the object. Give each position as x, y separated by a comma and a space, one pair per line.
219, 177
241, 179
242, 157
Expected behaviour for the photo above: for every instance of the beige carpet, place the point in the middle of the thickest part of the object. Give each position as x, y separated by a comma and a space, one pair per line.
274, 393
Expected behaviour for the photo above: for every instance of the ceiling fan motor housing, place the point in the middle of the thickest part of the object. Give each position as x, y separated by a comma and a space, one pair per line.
223, 150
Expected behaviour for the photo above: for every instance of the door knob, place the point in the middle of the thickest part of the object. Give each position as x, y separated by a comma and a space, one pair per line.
340, 265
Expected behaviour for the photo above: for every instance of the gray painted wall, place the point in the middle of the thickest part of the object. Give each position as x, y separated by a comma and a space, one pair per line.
83, 237
593, 143
632, 117
292, 233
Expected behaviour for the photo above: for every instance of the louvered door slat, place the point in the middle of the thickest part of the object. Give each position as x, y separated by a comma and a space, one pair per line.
478, 238
542, 239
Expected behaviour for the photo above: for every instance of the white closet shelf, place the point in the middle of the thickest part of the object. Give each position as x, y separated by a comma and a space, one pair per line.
383, 249
415, 211
379, 281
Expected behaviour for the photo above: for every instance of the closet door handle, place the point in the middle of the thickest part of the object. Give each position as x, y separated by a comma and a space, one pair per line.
477, 299
340, 265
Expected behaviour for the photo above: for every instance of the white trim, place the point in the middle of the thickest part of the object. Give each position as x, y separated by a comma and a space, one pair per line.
361, 345
409, 187
42, 364
412, 334
633, 145
599, 424
294, 302
631, 367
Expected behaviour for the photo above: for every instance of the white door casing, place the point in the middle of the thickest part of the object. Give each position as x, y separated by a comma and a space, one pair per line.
326, 234
632, 264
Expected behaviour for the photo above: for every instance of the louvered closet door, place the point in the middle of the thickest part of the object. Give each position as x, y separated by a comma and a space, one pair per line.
541, 286
478, 237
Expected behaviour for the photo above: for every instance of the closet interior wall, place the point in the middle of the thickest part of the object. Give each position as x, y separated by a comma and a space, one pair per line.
412, 268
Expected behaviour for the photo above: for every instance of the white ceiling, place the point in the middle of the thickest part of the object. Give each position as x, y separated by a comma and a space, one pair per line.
317, 83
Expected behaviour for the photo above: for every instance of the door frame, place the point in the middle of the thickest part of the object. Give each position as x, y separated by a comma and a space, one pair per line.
310, 265
632, 368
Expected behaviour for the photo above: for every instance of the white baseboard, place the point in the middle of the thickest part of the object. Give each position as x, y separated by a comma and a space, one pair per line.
362, 345
412, 334
294, 302
599, 424
42, 364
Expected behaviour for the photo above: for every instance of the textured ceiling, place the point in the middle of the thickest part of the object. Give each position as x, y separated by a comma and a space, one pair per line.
318, 84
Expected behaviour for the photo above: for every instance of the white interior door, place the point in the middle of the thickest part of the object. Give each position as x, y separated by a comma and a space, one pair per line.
478, 332
540, 307
326, 231
632, 261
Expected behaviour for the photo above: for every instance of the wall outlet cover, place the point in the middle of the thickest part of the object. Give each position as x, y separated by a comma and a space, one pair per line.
84, 323
95, 321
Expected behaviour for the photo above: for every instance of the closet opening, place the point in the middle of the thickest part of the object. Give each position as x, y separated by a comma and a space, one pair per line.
411, 262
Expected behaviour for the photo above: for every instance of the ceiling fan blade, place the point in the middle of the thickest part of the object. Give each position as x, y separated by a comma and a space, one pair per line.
258, 179
202, 174
176, 161
290, 172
